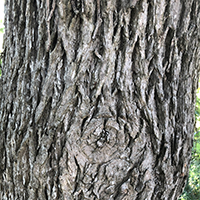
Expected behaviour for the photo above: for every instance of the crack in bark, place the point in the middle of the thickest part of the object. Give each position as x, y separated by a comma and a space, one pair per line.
105, 110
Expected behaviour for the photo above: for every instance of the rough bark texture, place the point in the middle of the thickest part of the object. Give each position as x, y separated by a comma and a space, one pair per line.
98, 98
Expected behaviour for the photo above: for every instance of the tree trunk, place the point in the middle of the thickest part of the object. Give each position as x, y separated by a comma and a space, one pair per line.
98, 98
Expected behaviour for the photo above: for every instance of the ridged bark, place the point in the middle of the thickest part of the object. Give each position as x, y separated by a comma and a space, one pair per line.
98, 98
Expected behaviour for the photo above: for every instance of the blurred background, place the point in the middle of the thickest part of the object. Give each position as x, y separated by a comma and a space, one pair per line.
1, 23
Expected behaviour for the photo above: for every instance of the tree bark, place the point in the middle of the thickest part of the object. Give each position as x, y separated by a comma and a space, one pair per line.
98, 98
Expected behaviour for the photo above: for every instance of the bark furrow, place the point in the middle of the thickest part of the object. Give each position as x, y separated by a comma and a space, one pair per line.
98, 98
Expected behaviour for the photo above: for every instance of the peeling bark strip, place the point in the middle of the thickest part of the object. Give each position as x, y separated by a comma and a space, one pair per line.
98, 98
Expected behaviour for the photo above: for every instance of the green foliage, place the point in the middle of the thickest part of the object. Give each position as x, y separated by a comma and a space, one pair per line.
196, 147
197, 110
1, 27
192, 189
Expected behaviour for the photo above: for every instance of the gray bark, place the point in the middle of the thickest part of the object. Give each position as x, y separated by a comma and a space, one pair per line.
98, 98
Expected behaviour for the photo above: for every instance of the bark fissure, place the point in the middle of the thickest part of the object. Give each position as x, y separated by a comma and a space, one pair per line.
98, 98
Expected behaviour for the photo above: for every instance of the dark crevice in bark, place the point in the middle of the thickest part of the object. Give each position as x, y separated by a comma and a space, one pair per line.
175, 147
35, 26
78, 174
133, 22
96, 107
168, 75
119, 105
168, 41
22, 21
149, 49
156, 193
83, 123
27, 80
97, 19
160, 110
172, 144
54, 40
72, 15
118, 5
95, 176
74, 7
64, 68
180, 24
152, 81
145, 116
122, 45
166, 15
163, 149
46, 192
14, 80
37, 97
140, 191
154, 141
44, 70
193, 12
151, 65
162, 182
78, 37
181, 43
115, 24
16, 13
45, 113
149, 32
114, 86
135, 55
